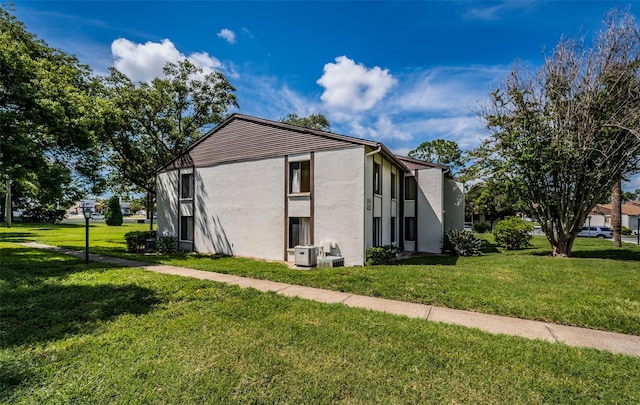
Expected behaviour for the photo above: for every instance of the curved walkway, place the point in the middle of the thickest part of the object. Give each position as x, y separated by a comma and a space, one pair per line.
554, 333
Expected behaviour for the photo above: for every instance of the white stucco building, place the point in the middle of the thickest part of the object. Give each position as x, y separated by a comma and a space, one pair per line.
258, 188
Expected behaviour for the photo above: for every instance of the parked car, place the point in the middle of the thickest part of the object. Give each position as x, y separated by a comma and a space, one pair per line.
96, 215
468, 226
596, 232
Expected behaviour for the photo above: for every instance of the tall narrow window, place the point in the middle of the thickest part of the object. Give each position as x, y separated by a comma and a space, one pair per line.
409, 188
300, 177
186, 185
377, 179
299, 232
393, 185
394, 234
186, 228
410, 229
377, 231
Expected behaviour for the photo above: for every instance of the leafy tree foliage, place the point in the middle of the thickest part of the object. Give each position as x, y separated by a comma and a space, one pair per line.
314, 121
440, 151
49, 118
113, 216
495, 198
151, 123
567, 133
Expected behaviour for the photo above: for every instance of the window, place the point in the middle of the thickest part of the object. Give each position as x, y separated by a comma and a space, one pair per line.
410, 229
377, 231
394, 235
299, 177
186, 185
393, 185
299, 231
186, 228
409, 188
377, 179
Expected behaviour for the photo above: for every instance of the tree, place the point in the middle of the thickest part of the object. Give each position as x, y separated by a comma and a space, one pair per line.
49, 118
442, 152
113, 216
566, 134
151, 123
314, 121
494, 198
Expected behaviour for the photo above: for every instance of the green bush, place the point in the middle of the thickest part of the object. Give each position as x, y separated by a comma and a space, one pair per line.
463, 243
513, 233
625, 231
381, 254
136, 239
113, 216
43, 215
167, 244
481, 227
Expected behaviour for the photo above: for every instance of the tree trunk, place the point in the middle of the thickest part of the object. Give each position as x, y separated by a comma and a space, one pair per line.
616, 213
150, 210
9, 212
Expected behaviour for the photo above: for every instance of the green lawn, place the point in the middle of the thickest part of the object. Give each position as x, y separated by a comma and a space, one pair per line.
599, 288
72, 333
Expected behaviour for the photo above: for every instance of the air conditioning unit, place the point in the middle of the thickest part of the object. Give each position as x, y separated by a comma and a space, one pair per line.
306, 256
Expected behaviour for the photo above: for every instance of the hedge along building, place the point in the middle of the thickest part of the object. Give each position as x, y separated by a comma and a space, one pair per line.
257, 188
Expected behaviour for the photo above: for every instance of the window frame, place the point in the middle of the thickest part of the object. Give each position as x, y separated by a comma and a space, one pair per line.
186, 179
305, 176
410, 230
377, 178
410, 188
186, 228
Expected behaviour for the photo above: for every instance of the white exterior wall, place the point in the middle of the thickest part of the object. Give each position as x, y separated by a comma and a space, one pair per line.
430, 197
453, 205
167, 186
239, 209
339, 203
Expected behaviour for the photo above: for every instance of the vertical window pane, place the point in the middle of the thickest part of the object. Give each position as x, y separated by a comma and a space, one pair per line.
409, 188
299, 232
410, 229
377, 231
377, 180
300, 177
186, 186
393, 185
186, 228
393, 230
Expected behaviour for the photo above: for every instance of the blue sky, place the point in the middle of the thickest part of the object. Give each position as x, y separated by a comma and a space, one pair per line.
400, 72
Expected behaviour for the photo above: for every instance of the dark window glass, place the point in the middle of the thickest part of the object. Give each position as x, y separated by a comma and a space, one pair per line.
409, 188
300, 177
186, 228
410, 229
377, 179
186, 186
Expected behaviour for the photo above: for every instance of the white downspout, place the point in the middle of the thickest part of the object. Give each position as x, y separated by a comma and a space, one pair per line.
375, 151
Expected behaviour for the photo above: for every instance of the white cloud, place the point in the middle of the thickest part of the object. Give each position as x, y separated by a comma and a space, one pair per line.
227, 35
353, 87
143, 62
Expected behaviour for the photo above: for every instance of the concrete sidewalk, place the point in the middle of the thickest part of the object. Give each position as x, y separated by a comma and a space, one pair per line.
569, 335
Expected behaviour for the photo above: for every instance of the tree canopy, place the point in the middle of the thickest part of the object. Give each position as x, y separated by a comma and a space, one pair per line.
315, 121
151, 123
49, 119
565, 134
440, 151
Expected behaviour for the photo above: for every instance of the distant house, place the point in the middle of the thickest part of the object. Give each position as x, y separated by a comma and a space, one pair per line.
258, 188
601, 214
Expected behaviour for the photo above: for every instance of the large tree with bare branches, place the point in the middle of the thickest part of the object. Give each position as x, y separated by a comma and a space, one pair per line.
568, 132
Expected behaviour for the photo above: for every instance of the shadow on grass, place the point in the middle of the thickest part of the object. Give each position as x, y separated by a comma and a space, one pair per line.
426, 260
612, 254
38, 305
16, 237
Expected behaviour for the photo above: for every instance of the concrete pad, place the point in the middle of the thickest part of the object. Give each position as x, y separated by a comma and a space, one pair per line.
390, 306
315, 294
492, 323
610, 341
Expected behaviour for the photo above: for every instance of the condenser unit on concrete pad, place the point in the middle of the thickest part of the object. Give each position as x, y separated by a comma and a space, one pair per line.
306, 256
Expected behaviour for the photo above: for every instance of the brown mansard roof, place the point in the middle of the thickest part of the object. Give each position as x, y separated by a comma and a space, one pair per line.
243, 138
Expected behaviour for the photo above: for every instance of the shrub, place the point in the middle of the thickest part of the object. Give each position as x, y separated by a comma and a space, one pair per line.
463, 243
481, 227
381, 254
625, 231
167, 244
113, 216
136, 239
513, 233
43, 215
